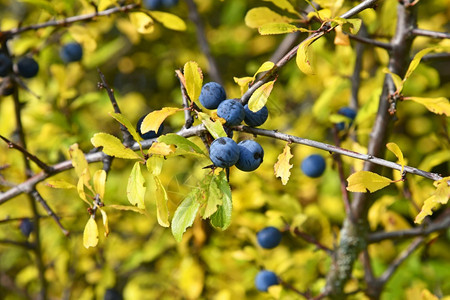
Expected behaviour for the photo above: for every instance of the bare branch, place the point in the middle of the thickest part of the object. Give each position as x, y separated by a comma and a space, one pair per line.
429, 33
312, 240
37, 196
370, 41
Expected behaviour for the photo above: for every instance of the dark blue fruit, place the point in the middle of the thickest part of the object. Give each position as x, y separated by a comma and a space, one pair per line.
71, 52
313, 166
224, 152
232, 111
5, 65
150, 134
212, 95
269, 237
27, 67
26, 227
251, 155
264, 279
152, 4
255, 119
349, 113
169, 3
112, 294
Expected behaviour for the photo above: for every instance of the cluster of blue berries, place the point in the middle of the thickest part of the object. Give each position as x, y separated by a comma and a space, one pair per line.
224, 152
158, 4
268, 238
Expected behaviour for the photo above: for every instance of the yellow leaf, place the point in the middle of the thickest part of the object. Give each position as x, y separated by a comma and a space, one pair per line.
79, 162
105, 221
394, 148
162, 211
278, 28
104, 4
80, 190
416, 60
191, 278
442, 190
99, 182
363, 181
341, 38
440, 106
243, 83
60, 184
136, 187
112, 146
168, 20
142, 22
194, 79
284, 4
125, 122
90, 234
427, 295
427, 207
161, 149
128, 207
256, 17
282, 166
153, 120
266, 66
215, 128
259, 98
304, 56
154, 164
398, 81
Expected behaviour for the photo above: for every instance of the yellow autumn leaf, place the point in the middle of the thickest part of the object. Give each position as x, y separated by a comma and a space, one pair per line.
136, 187
60, 184
394, 148
191, 277
80, 190
304, 56
259, 97
162, 210
161, 149
341, 38
282, 166
442, 190
398, 81
285, 5
243, 83
440, 106
193, 79
142, 22
90, 234
105, 221
363, 181
169, 20
427, 295
128, 208
416, 60
258, 16
278, 28
99, 182
153, 120
79, 162
125, 122
112, 146
427, 209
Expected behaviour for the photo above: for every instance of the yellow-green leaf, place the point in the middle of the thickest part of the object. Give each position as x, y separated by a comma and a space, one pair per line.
125, 122
266, 66
394, 148
214, 198
79, 162
90, 234
168, 20
348, 25
222, 217
181, 142
142, 22
215, 128
304, 56
162, 211
398, 81
194, 79
60, 184
440, 106
112, 146
153, 120
282, 166
99, 182
154, 164
442, 190
427, 209
136, 187
257, 17
127, 208
80, 190
416, 60
185, 215
191, 277
243, 83
259, 98
363, 181
278, 28
105, 221
284, 4
163, 149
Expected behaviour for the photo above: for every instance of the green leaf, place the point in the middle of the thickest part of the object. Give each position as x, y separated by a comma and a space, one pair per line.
214, 198
259, 98
257, 17
363, 181
45, 5
162, 211
416, 60
154, 164
194, 79
112, 146
168, 20
153, 120
125, 122
222, 217
185, 214
304, 56
214, 128
440, 106
181, 142
278, 28
136, 187
284, 4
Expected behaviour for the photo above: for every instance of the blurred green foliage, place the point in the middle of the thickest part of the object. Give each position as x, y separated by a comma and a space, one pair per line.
141, 259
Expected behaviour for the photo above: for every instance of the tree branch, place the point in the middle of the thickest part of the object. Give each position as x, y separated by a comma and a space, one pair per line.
368, 41
37, 196
429, 33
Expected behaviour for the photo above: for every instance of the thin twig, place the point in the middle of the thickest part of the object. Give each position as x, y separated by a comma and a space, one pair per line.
37, 196
189, 120
33, 158
26, 245
312, 240
430, 33
369, 41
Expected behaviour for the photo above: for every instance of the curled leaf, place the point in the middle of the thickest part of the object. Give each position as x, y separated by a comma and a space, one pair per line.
282, 166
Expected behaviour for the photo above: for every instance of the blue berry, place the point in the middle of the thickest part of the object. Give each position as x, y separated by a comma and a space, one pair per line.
26, 227
150, 134
269, 237
169, 3
212, 95
250, 157
232, 111
27, 67
5, 65
152, 4
349, 113
264, 279
71, 52
255, 119
313, 166
224, 152
112, 294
